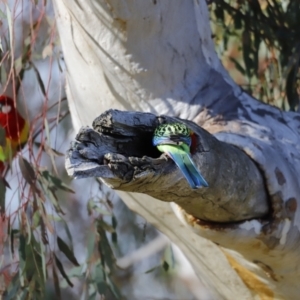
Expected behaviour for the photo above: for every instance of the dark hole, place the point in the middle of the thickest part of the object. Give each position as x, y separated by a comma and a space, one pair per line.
145, 147
137, 144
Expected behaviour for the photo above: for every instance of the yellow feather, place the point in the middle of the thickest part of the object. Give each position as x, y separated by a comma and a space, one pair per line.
11, 147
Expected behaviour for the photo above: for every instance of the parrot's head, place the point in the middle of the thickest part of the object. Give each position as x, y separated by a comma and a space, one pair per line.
173, 134
10, 119
6, 105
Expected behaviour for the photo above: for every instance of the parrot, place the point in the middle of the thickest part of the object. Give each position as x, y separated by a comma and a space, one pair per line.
15, 128
175, 139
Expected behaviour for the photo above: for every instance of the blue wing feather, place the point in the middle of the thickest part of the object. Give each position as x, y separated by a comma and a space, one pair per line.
171, 140
182, 158
179, 161
194, 172
157, 140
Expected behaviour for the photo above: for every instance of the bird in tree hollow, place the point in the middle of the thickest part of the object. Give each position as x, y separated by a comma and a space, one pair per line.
15, 131
175, 139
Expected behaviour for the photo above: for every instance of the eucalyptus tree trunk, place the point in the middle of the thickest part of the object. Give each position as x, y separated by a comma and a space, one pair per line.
158, 57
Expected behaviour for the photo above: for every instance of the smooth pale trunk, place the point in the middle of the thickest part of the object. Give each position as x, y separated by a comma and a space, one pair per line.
154, 56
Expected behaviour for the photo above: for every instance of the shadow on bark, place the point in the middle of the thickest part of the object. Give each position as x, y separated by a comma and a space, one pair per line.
119, 150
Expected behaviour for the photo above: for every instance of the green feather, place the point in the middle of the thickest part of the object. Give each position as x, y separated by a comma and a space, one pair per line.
181, 156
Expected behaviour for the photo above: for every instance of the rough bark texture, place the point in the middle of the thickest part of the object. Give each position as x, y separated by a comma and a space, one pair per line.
120, 151
158, 57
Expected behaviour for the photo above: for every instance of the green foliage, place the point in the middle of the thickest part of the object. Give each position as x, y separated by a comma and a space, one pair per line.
96, 270
167, 266
259, 44
258, 41
35, 239
38, 262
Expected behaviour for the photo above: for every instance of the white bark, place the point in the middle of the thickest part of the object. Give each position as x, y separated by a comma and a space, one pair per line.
157, 56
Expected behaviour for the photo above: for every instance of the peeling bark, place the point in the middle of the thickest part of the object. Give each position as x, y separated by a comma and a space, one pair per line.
158, 57
120, 151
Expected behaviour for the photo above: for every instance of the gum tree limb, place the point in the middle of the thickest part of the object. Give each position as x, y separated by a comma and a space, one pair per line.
119, 150
158, 57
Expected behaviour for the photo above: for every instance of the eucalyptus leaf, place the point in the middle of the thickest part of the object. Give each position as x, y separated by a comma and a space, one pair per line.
62, 271
56, 182
27, 171
39, 78
67, 251
104, 248
56, 282
2, 196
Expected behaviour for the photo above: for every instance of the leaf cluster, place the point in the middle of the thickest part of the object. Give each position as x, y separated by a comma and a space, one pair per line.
260, 39
42, 256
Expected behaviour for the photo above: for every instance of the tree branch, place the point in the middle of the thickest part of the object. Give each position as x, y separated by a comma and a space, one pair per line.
159, 57
119, 150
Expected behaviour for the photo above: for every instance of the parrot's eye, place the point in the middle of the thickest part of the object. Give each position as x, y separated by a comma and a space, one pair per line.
5, 108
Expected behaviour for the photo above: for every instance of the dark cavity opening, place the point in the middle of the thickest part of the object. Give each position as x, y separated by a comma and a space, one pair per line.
144, 146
